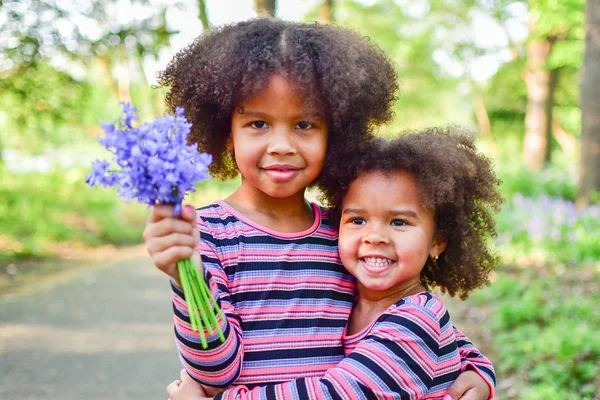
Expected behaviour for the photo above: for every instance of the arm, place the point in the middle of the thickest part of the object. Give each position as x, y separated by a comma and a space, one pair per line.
403, 357
473, 360
219, 364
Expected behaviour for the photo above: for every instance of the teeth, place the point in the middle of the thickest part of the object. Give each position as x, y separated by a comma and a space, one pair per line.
377, 262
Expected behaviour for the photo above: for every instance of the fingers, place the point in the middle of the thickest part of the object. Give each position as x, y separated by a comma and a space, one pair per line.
183, 375
162, 243
172, 388
166, 260
189, 213
166, 226
169, 239
161, 211
468, 386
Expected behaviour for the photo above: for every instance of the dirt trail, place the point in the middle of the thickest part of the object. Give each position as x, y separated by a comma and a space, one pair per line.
102, 333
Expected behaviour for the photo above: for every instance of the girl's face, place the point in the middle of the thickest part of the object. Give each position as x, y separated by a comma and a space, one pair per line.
279, 145
386, 235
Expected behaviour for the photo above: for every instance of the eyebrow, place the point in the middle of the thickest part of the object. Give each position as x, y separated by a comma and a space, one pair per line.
258, 114
254, 114
407, 213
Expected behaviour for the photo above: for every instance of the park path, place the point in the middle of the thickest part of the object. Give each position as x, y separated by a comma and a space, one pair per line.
105, 332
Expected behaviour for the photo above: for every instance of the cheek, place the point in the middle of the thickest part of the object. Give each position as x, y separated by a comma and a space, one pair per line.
347, 246
412, 250
317, 149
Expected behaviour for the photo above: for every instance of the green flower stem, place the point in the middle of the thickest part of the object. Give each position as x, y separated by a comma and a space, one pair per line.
186, 292
198, 311
186, 284
207, 295
203, 308
211, 298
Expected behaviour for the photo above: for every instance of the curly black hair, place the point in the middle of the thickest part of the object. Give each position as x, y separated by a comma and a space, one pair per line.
455, 182
343, 74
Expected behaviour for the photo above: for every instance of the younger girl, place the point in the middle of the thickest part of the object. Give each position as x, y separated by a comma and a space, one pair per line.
282, 104
414, 213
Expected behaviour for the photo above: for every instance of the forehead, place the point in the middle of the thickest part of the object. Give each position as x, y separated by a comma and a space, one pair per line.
383, 190
281, 96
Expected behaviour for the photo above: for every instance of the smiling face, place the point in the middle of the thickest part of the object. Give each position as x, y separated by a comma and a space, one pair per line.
279, 145
386, 235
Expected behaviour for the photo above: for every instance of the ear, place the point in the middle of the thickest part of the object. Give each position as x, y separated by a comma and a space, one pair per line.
229, 143
439, 244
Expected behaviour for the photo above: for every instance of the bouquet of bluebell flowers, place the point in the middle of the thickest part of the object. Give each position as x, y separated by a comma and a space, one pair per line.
156, 165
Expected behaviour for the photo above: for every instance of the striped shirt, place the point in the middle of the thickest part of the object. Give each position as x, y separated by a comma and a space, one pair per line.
410, 352
286, 298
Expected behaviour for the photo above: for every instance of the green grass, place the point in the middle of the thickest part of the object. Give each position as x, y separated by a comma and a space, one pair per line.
545, 330
40, 212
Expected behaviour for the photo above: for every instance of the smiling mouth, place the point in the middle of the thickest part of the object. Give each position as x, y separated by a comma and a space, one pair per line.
377, 262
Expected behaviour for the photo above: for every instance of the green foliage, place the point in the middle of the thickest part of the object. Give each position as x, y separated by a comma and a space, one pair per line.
506, 95
546, 333
556, 180
42, 108
40, 30
41, 211
427, 95
562, 21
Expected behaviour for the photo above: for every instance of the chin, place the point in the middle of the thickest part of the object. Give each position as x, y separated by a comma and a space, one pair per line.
378, 285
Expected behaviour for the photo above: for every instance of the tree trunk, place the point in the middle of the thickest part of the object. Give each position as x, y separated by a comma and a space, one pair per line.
326, 11
265, 8
482, 117
540, 84
123, 76
590, 106
203, 15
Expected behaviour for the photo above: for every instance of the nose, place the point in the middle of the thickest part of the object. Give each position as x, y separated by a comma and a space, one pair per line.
376, 236
281, 143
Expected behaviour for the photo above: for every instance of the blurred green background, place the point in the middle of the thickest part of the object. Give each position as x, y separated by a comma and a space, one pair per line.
509, 70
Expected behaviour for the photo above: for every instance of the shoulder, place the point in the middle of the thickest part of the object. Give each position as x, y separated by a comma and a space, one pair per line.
422, 314
325, 226
214, 216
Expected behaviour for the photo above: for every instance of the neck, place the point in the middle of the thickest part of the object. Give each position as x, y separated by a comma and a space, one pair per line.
245, 198
287, 215
381, 300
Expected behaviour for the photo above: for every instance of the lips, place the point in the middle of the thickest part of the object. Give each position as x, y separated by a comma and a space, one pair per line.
281, 172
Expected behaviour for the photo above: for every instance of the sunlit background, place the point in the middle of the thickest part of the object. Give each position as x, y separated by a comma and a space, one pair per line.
509, 70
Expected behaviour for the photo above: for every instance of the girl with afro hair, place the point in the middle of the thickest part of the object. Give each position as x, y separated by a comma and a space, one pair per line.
413, 213
282, 104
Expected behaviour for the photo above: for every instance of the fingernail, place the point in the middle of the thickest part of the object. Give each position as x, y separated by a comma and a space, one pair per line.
447, 397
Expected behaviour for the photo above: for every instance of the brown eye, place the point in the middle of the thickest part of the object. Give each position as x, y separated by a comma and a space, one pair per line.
303, 125
398, 222
259, 125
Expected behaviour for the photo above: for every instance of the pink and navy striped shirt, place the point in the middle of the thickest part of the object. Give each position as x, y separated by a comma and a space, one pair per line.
410, 352
286, 298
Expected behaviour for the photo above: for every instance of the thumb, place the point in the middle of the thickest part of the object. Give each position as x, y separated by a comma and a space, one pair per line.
458, 389
188, 213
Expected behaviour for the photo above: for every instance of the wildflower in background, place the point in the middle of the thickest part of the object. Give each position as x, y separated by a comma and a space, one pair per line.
154, 164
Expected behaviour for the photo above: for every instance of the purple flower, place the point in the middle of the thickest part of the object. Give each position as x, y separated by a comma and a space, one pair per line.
155, 164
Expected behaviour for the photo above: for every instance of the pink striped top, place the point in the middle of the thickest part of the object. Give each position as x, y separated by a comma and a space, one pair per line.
286, 297
410, 352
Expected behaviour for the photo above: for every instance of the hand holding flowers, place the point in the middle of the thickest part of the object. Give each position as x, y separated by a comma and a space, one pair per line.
157, 167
